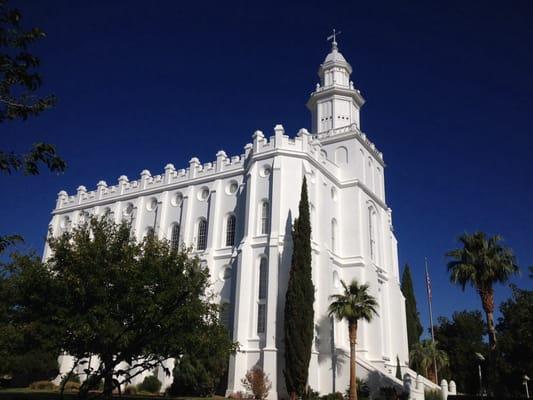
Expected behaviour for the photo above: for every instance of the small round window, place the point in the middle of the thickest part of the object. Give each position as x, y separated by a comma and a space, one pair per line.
203, 194
225, 273
65, 221
152, 204
232, 187
129, 209
266, 171
177, 199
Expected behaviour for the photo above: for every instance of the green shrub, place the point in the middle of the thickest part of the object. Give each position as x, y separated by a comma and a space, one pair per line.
332, 396
32, 366
42, 385
392, 393
130, 390
198, 375
310, 394
71, 386
94, 383
150, 384
70, 378
363, 391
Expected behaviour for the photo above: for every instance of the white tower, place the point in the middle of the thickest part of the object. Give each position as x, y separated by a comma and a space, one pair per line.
335, 102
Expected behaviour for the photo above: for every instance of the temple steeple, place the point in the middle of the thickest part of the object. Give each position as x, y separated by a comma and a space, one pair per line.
335, 102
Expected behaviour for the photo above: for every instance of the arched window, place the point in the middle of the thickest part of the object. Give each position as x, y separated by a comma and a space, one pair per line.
230, 230
372, 232
370, 174
175, 236
378, 188
264, 217
262, 295
333, 234
341, 155
201, 243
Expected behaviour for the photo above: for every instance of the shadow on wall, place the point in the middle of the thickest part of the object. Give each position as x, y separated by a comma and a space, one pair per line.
283, 280
376, 380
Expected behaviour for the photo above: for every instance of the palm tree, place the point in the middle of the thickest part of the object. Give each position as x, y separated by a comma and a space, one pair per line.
352, 305
424, 355
481, 262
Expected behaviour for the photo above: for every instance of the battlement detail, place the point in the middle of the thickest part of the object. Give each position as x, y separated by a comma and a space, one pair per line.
303, 142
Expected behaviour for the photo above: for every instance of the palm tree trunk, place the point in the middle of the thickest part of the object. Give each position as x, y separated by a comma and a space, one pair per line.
487, 301
353, 339
431, 374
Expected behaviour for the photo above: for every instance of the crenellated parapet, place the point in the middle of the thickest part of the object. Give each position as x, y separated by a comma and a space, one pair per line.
261, 146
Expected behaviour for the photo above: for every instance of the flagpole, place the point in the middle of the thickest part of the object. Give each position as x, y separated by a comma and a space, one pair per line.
428, 288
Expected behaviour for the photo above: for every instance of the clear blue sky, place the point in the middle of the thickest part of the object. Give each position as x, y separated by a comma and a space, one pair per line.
448, 85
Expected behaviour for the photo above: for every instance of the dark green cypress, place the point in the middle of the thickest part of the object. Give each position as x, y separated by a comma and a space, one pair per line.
414, 327
299, 313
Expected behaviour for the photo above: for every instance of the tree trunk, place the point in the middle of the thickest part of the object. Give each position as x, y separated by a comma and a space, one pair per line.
353, 339
487, 301
108, 379
430, 374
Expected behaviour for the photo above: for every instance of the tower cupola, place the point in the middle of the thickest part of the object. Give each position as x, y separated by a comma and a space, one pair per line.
335, 102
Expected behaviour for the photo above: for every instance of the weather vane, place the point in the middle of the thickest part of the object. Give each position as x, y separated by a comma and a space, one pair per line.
334, 36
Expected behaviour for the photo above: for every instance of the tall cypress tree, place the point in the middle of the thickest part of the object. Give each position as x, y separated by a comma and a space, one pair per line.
299, 313
414, 327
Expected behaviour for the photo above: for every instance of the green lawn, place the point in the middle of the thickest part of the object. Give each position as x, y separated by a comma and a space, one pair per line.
44, 392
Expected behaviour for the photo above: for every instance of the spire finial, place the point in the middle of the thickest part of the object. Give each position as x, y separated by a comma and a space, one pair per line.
333, 38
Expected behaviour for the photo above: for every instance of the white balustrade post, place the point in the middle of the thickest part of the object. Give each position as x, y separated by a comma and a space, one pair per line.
444, 389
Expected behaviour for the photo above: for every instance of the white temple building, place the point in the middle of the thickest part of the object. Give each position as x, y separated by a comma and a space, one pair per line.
237, 212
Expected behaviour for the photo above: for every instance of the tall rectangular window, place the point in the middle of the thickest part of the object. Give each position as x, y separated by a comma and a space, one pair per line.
175, 236
264, 217
262, 296
371, 233
230, 231
202, 235
334, 235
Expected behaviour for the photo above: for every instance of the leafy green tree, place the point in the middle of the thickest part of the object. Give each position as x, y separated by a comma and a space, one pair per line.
414, 327
461, 338
481, 262
130, 304
299, 313
353, 304
515, 330
18, 84
150, 384
425, 354
27, 347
